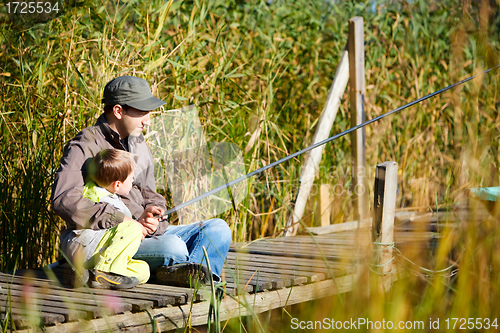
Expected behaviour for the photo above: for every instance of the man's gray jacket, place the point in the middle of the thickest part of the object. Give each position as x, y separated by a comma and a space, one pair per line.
81, 213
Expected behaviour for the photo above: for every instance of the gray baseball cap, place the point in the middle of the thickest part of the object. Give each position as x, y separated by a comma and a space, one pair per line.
132, 91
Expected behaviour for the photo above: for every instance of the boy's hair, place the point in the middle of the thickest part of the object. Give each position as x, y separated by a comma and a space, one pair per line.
110, 165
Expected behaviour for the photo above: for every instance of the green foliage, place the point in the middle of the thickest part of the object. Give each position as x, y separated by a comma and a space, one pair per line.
251, 68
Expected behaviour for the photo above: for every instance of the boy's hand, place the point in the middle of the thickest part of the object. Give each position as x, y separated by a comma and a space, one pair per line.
148, 219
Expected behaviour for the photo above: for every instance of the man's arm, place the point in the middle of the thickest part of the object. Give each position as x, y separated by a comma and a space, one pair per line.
151, 200
154, 206
149, 219
67, 198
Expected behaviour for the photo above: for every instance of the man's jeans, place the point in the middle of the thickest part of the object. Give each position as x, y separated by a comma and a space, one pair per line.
183, 243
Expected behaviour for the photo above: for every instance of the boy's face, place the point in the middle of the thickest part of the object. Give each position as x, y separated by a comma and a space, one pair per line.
126, 185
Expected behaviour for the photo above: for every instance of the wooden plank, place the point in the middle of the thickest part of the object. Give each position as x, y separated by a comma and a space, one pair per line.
341, 237
289, 276
323, 129
266, 280
139, 301
264, 283
24, 319
159, 297
136, 292
305, 240
181, 295
53, 301
278, 280
84, 312
345, 226
173, 318
165, 296
186, 293
118, 305
234, 289
344, 237
302, 252
279, 269
256, 282
298, 247
353, 225
291, 255
315, 273
303, 243
265, 271
356, 46
313, 264
297, 263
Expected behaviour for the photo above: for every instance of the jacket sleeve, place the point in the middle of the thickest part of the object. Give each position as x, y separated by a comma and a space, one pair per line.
148, 188
153, 198
67, 198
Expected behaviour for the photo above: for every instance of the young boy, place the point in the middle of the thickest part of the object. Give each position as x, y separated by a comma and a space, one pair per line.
109, 252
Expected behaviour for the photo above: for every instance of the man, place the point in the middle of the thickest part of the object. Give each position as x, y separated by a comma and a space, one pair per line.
174, 253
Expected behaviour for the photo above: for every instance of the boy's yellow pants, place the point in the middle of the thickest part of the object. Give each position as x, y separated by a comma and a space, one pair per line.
116, 248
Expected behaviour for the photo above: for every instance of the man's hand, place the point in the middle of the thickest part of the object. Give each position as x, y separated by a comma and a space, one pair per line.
144, 230
148, 219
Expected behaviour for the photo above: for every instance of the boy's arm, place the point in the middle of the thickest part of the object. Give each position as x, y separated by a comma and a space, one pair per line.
67, 198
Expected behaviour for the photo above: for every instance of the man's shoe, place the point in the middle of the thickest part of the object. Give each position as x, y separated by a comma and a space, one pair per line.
105, 280
183, 275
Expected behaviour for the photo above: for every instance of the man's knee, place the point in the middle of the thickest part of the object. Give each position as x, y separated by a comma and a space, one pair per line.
174, 247
218, 230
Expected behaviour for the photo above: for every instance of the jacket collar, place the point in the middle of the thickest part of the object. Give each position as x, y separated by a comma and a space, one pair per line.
113, 136
94, 192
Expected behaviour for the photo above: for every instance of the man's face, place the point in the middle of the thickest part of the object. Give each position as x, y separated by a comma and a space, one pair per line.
133, 122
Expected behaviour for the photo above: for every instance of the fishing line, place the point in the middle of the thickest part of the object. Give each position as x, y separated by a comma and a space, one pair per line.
300, 152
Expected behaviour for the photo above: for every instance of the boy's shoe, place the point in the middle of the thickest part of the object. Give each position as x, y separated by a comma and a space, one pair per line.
105, 280
183, 275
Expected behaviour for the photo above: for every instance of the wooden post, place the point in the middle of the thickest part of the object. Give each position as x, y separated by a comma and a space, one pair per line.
324, 206
325, 124
384, 208
357, 98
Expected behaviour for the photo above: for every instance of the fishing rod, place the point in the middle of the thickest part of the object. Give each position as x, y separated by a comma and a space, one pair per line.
336, 136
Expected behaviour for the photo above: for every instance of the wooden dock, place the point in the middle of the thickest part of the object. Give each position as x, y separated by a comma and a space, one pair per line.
261, 276
271, 269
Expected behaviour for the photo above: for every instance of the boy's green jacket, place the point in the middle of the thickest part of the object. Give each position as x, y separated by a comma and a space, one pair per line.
95, 193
